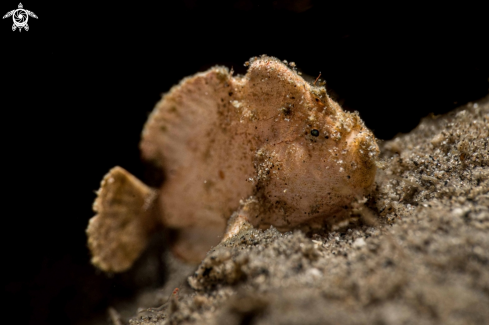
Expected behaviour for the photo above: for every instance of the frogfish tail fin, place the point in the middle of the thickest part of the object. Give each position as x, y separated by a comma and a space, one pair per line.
125, 217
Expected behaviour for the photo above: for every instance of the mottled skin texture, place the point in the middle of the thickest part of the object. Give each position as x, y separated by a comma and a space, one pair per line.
244, 145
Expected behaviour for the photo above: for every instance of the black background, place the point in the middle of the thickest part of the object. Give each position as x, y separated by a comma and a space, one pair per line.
78, 86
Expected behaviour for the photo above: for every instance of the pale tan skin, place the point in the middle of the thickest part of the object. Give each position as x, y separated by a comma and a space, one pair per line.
238, 151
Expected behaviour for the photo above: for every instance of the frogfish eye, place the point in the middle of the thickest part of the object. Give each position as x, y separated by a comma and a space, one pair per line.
314, 133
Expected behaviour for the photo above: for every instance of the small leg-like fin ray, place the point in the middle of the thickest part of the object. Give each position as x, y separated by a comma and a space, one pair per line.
238, 222
125, 217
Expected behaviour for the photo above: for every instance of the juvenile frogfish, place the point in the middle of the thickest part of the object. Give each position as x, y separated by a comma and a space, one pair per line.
259, 150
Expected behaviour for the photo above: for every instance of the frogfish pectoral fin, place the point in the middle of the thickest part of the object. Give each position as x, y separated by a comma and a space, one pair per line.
237, 223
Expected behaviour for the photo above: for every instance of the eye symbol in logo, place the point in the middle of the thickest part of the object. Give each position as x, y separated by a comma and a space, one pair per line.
20, 17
